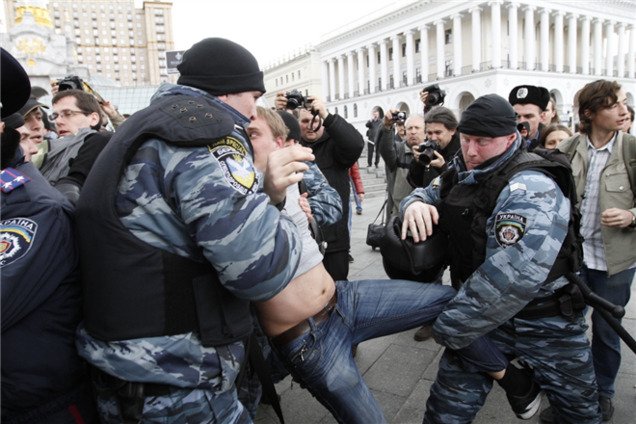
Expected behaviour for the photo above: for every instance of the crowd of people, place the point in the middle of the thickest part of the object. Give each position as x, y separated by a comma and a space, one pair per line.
175, 262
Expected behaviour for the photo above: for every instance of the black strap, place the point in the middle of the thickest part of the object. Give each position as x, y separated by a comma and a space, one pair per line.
380, 212
261, 367
629, 157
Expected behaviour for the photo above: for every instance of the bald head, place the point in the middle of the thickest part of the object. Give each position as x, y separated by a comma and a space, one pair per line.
414, 126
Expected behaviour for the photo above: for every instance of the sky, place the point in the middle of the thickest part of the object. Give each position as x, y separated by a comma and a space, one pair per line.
270, 29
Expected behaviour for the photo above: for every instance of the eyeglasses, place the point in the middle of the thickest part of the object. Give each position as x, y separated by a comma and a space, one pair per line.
66, 114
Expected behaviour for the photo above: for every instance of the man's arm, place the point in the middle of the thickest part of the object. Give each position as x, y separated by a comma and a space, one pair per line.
348, 142
534, 208
324, 200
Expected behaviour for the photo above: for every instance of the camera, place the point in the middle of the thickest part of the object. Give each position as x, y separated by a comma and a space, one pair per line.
399, 117
435, 95
295, 99
427, 152
71, 82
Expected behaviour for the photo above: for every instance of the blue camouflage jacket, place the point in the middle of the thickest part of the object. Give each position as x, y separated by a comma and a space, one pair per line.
205, 203
512, 275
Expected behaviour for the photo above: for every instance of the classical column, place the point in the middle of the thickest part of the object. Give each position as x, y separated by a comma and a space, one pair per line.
631, 56
440, 48
410, 57
332, 79
495, 12
324, 76
341, 77
476, 33
397, 53
513, 25
424, 52
373, 74
384, 64
545, 39
585, 45
361, 66
529, 38
457, 44
609, 60
558, 41
598, 45
350, 74
572, 47
622, 42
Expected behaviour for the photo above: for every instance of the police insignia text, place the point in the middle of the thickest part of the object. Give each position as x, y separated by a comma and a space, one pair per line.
237, 169
509, 228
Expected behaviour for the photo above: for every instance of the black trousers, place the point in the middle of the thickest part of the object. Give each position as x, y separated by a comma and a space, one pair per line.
370, 149
337, 264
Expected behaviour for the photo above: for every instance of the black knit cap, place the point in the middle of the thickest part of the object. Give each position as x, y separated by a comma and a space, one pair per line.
488, 116
529, 94
291, 123
15, 86
220, 66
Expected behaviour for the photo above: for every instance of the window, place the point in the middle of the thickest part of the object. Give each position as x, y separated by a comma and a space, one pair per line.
390, 53
404, 50
355, 110
417, 45
448, 36
345, 111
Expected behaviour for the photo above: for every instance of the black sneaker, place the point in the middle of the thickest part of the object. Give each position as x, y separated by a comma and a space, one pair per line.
425, 332
526, 406
607, 409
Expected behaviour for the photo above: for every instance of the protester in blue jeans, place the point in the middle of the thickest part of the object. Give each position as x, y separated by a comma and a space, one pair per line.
314, 321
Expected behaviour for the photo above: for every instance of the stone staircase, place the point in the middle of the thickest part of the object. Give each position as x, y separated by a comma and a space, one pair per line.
373, 179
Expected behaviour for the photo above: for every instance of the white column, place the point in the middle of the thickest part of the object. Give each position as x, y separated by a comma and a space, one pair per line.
332, 79
609, 59
341, 77
384, 65
457, 44
424, 52
512, 26
410, 57
361, 66
529, 37
476, 33
558, 41
585, 45
373, 74
631, 57
495, 12
440, 48
397, 53
350, 74
572, 47
622, 42
325, 79
598, 45
545, 39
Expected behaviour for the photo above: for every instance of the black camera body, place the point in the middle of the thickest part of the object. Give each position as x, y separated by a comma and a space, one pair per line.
295, 99
399, 117
71, 82
435, 96
427, 152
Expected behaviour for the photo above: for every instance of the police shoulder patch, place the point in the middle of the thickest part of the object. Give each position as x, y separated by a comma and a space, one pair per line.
509, 228
16, 238
237, 169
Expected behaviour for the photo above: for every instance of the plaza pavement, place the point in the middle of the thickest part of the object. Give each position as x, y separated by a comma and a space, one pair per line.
400, 371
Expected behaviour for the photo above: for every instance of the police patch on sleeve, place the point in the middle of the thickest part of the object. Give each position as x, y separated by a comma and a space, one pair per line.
238, 171
16, 238
509, 228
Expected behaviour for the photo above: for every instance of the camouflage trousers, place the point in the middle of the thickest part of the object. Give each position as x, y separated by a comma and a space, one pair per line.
557, 349
181, 406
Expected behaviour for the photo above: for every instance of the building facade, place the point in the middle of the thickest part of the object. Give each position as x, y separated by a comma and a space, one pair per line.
474, 48
109, 38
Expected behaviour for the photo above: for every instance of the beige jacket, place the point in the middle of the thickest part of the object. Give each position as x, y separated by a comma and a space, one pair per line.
615, 191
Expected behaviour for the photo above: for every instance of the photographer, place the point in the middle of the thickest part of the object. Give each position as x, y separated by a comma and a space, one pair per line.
337, 145
442, 143
398, 156
373, 131
432, 96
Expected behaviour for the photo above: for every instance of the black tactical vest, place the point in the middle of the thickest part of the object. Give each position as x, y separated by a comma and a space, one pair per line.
131, 289
465, 209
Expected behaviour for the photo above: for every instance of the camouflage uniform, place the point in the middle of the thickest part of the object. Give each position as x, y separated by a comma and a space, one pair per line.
511, 276
324, 200
200, 203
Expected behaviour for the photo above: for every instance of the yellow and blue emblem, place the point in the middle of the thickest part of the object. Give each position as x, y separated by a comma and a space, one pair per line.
509, 228
237, 169
16, 238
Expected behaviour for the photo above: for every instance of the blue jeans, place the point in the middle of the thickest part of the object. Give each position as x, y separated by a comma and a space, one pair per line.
321, 358
606, 344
